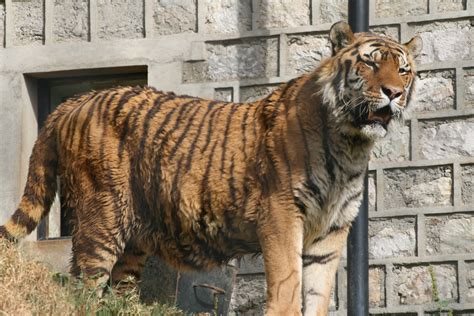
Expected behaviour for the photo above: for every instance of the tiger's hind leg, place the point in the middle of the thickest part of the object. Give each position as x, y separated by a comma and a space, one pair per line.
320, 262
126, 273
98, 239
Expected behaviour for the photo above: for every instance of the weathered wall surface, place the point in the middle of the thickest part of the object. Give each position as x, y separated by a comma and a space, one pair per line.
421, 176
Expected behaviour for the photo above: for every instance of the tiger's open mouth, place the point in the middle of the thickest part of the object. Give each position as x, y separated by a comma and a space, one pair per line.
381, 116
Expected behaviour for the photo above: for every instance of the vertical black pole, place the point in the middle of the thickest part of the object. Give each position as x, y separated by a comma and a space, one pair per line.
357, 246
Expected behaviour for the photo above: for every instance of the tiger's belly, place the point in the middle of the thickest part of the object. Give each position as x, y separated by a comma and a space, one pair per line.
206, 241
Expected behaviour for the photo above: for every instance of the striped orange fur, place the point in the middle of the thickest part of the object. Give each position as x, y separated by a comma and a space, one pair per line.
199, 182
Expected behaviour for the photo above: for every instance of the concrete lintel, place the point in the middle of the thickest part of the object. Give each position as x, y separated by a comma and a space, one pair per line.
70, 56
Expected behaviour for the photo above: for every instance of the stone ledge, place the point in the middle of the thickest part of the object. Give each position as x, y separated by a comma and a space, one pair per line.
428, 210
449, 258
419, 163
431, 307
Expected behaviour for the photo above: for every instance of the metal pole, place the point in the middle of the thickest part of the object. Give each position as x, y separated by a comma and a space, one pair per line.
357, 246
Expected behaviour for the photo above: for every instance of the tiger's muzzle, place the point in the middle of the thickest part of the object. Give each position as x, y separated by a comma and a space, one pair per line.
365, 115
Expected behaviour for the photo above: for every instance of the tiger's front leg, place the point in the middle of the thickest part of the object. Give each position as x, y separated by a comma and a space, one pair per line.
320, 262
281, 237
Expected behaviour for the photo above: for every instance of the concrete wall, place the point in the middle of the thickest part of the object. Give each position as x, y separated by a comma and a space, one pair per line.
421, 176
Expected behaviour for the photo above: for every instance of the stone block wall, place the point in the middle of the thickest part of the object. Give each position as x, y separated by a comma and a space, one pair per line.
421, 178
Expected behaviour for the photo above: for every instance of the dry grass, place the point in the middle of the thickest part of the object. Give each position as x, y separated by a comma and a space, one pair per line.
29, 288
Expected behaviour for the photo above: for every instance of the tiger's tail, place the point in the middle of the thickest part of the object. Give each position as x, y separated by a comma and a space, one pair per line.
40, 188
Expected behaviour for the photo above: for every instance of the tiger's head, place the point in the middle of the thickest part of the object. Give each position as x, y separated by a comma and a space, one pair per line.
372, 79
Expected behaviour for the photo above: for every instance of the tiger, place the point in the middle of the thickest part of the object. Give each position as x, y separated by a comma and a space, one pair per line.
199, 182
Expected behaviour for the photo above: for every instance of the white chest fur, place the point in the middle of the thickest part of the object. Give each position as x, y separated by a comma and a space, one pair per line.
328, 202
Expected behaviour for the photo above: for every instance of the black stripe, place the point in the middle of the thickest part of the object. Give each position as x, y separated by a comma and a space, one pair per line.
232, 188
331, 230
176, 196
318, 259
185, 108
103, 118
377, 44
314, 190
350, 198
198, 133
23, 219
137, 112
206, 198
5, 234
86, 122
162, 144
347, 65
337, 80
122, 101
152, 200
244, 132
123, 136
355, 176
328, 158
157, 103
37, 179
30, 195
175, 192
209, 129
299, 204
73, 115
226, 132
185, 131
95, 245
73, 118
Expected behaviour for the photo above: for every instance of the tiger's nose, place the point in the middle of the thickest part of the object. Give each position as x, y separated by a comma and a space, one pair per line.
391, 92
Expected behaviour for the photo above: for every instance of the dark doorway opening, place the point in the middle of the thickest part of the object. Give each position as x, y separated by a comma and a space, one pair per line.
55, 88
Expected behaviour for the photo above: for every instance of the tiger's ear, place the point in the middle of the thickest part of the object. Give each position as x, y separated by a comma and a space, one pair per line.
414, 46
341, 36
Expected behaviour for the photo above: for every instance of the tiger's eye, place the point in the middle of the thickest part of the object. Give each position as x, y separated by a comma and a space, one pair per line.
403, 70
